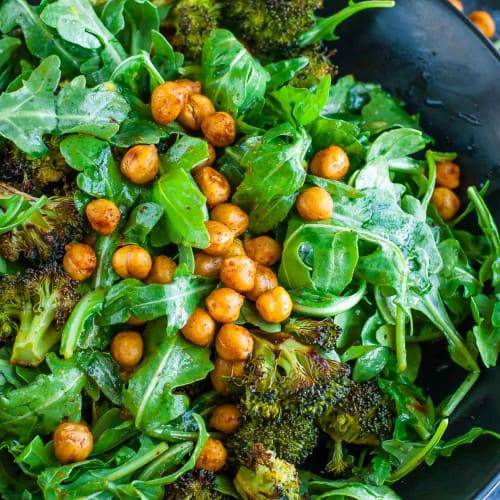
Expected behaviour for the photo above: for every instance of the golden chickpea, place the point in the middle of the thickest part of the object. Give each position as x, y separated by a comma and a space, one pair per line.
73, 442
190, 86
234, 342
447, 174
236, 249
265, 280
314, 204
224, 304
79, 261
103, 216
200, 328
484, 22
232, 216
133, 321
127, 348
263, 250
132, 261
207, 265
457, 4
221, 238
197, 108
274, 305
167, 101
162, 270
330, 163
140, 164
219, 129
238, 273
213, 185
213, 456
223, 369
225, 418
446, 202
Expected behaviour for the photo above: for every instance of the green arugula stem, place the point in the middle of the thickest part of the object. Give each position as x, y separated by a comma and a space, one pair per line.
401, 339
455, 399
431, 174
165, 461
485, 219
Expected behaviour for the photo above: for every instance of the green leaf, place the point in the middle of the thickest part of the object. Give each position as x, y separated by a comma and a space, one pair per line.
486, 313
324, 489
186, 153
141, 222
395, 144
281, 72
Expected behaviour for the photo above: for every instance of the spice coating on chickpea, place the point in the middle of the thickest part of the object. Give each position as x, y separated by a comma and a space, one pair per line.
265, 280
200, 328
103, 215
446, 202
330, 163
447, 174
213, 185
275, 305
222, 369
232, 216
221, 238
197, 108
457, 4
314, 204
79, 261
263, 250
233, 342
236, 249
207, 265
224, 304
192, 87
225, 418
213, 456
238, 273
132, 261
73, 442
127, 348
167, 101
219, 129
483, 22
140, 164
162, 270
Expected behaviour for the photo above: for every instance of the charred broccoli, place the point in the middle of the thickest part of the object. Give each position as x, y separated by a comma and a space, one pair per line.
196, 484
319, 65
321, 333
34, 308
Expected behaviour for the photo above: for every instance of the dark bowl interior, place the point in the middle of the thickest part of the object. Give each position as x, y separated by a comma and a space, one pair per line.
428, 54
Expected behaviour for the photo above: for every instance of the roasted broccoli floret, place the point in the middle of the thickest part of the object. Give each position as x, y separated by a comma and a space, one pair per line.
362, 417
319, 66
322, 333
34, 308
45, 233
267, 477
197, 484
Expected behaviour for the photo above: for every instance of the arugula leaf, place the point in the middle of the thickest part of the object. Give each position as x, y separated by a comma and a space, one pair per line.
141, 222
280, 72
8, 47
486, 331
325, 488
395, 144
186, 153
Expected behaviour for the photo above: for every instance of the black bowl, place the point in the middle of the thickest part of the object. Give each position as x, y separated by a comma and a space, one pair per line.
428, 54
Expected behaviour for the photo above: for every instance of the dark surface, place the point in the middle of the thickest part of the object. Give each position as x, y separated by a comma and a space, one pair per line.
428, 54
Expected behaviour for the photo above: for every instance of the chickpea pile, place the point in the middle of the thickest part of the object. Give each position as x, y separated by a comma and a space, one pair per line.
444, 198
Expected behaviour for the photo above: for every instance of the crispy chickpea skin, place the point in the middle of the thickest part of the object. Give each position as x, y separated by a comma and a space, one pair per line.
330, 163
221, 238
191, 86
73, 442
224, 304
219, 129
232, 216
274, 305
132, 261
127, 348
457, 4
223, 368
238, 272
207, 265
167, 101
200, 328
236, 249
103, 215
483, 22
213, 185
79, 261
162, 270
263, 250
265, 280
225, 418
446, 202
233, 342
213, 456
447, 174
314, 204
140, 164
197, 108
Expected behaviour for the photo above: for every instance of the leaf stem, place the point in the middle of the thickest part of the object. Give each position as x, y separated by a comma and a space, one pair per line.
401, 339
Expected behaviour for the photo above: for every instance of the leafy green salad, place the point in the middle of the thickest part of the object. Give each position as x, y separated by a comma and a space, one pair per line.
221, 266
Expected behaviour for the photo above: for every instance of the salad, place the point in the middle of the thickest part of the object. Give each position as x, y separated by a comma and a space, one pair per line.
221, 265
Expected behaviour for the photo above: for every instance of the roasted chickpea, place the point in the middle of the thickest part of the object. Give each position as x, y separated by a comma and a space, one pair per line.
314, 204
224, 304
197, 108
330, 163
233, 342
265, 279
457, 4
141, 163
167, 101
263, 250
484, 22
133, 321
73, 442
200, 328
225, 418
213, 185
127, 348
103, 216
274, 305
446, 202
190, 86
236, 249
213, 456
232, 216
207, 265
221, 238
219, 129
238, 273
79, 261
162, 270
222, 369
447, 174
132, 261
